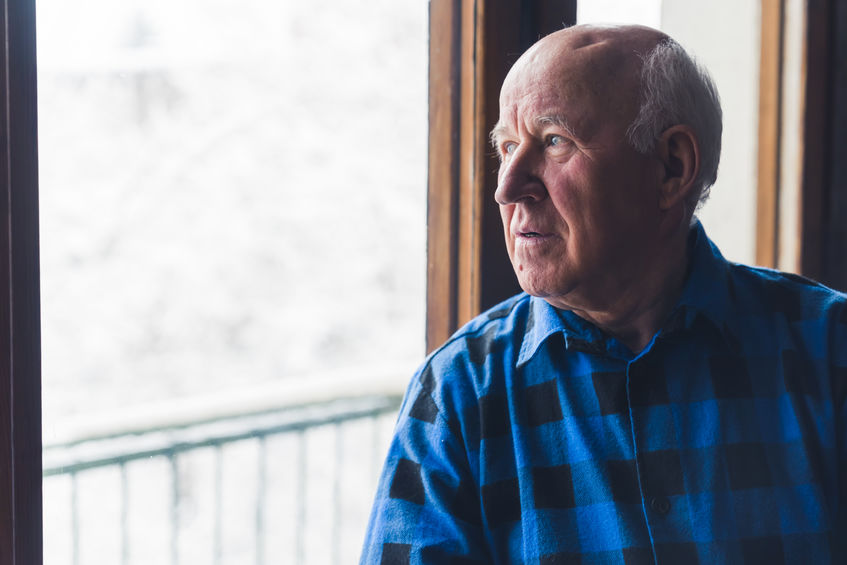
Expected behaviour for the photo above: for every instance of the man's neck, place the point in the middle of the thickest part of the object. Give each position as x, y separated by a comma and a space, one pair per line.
638, 312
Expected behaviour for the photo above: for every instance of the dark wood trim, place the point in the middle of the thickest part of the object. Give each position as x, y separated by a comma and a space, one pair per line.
816, 108
473, 45
835, 209
20, 357
473, 53
822, 238
770, 112
443, 170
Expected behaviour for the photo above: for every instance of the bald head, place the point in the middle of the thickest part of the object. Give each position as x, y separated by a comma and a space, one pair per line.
635, 77
620, 46
590, 63
625, 38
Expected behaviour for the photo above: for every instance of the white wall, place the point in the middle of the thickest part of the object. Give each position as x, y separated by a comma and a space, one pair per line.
641, 12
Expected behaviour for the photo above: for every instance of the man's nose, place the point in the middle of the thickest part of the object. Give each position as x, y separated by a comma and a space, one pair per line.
518, 178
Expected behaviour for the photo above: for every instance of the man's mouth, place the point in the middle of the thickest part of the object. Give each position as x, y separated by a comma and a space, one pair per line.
533, 236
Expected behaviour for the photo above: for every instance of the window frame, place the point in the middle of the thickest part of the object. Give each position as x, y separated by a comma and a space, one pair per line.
20, 356
821, 194
770, 104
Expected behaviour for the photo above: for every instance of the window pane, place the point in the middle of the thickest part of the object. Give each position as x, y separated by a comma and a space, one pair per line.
233, 225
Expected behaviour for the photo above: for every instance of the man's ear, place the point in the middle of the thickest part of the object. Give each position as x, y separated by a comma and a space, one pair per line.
679, 153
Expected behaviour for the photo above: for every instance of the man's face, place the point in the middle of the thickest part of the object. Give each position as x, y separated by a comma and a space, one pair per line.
579, 205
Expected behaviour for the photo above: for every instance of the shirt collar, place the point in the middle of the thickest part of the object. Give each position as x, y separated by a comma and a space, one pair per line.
542, 322
706, 292
707, 287
579, 334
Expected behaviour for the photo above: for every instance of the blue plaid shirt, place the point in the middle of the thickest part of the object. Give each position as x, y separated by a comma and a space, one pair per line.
531, 437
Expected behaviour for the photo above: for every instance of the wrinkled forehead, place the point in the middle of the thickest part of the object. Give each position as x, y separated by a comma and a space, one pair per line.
587, 72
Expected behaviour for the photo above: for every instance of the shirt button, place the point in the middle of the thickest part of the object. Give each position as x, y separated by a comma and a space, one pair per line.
660, 505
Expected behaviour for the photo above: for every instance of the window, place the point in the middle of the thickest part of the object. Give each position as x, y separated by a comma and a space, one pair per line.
233, 202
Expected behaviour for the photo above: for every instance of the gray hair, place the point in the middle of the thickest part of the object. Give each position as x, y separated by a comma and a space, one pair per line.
675, 89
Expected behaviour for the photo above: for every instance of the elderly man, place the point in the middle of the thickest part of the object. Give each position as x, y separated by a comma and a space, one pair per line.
645, 401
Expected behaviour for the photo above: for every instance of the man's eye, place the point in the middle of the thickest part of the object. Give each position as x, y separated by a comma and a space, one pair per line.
555, 140
509, 147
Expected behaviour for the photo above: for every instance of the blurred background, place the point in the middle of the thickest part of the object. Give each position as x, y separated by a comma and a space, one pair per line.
233, 257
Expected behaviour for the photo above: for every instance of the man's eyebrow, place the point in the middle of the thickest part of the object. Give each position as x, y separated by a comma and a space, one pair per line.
555, 120
496, 133
500, 130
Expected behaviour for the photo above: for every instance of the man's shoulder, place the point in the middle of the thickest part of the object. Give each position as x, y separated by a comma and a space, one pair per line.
475, 358
795, 296
504, 322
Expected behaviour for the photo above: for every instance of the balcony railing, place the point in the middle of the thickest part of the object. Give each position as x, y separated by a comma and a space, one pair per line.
283, 486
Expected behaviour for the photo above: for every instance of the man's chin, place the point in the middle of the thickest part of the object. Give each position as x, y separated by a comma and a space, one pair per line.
537, 288
554, 290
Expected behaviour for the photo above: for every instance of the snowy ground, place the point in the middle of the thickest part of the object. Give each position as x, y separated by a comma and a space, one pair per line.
232, 193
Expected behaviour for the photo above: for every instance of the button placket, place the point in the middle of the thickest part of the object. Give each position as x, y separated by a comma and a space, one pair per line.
657, 456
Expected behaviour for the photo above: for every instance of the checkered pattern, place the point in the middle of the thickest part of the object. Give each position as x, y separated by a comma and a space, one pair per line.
531, 437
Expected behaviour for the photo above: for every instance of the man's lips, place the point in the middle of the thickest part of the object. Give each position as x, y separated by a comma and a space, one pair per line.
530, 230
532, 235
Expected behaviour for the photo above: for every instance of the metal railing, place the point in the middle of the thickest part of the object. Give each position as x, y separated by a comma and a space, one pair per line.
343, 419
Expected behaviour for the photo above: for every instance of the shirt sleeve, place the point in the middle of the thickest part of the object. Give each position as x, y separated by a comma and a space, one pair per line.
427, 507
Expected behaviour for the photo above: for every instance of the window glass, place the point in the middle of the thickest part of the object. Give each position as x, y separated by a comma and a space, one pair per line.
233, 270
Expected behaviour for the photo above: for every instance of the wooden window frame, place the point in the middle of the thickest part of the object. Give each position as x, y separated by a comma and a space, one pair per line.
20, 356
770, 106
821, 202
473, 43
